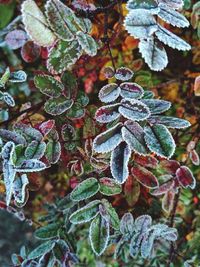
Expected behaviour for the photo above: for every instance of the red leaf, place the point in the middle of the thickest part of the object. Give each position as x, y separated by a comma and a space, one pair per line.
170, 165
30, 52
146, 161
194, 157
131, 191
185, 177
145, 177
163, 188
46, 127
167, 201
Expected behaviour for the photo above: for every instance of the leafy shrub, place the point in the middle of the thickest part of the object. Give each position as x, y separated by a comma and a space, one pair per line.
101, 185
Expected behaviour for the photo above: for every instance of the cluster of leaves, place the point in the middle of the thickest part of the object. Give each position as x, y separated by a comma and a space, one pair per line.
66, 34
142, 23
10, 77
21, 152
136, 123
63, 95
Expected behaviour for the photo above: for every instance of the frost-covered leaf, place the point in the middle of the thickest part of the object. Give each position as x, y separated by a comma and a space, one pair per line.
135, 244
48, 231
146, 161
156, 106
145, 177
16, 39
59, 17
48, 85
87, 43
185, 177
28, 132
111, 214
164, 188
85, 214
109, 187
68, 132
36, 24
131, 191
140, 24
168, 200
85, 189
53, 151
8, 151
8, 169
133, 135
13, 136
57, 106
194, 157
169, 122
63, 55
127, 224
107, 113
8, 99
172, 17
99, 235
159, 140
108, 72
165, 232
109, 92
41, 250
171, 39
142, 223
19, 189
134, 110
174, 4
138, 4
119, 162
35, 150
31, 165
108, 140
46, 127
147, 244
18, 76
153, 53
123, 74
170, 166
131, 90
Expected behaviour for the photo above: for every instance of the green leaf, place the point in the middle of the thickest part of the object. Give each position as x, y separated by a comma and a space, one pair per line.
113, 216
35, 150
85, 214
87, 43
85, 189
169, 122
63, 56
41, 250
57, 106
99, 235
48, 232
5, 77
60, 17
48, 85
53, 151
159, 140
109, 187
36, 24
